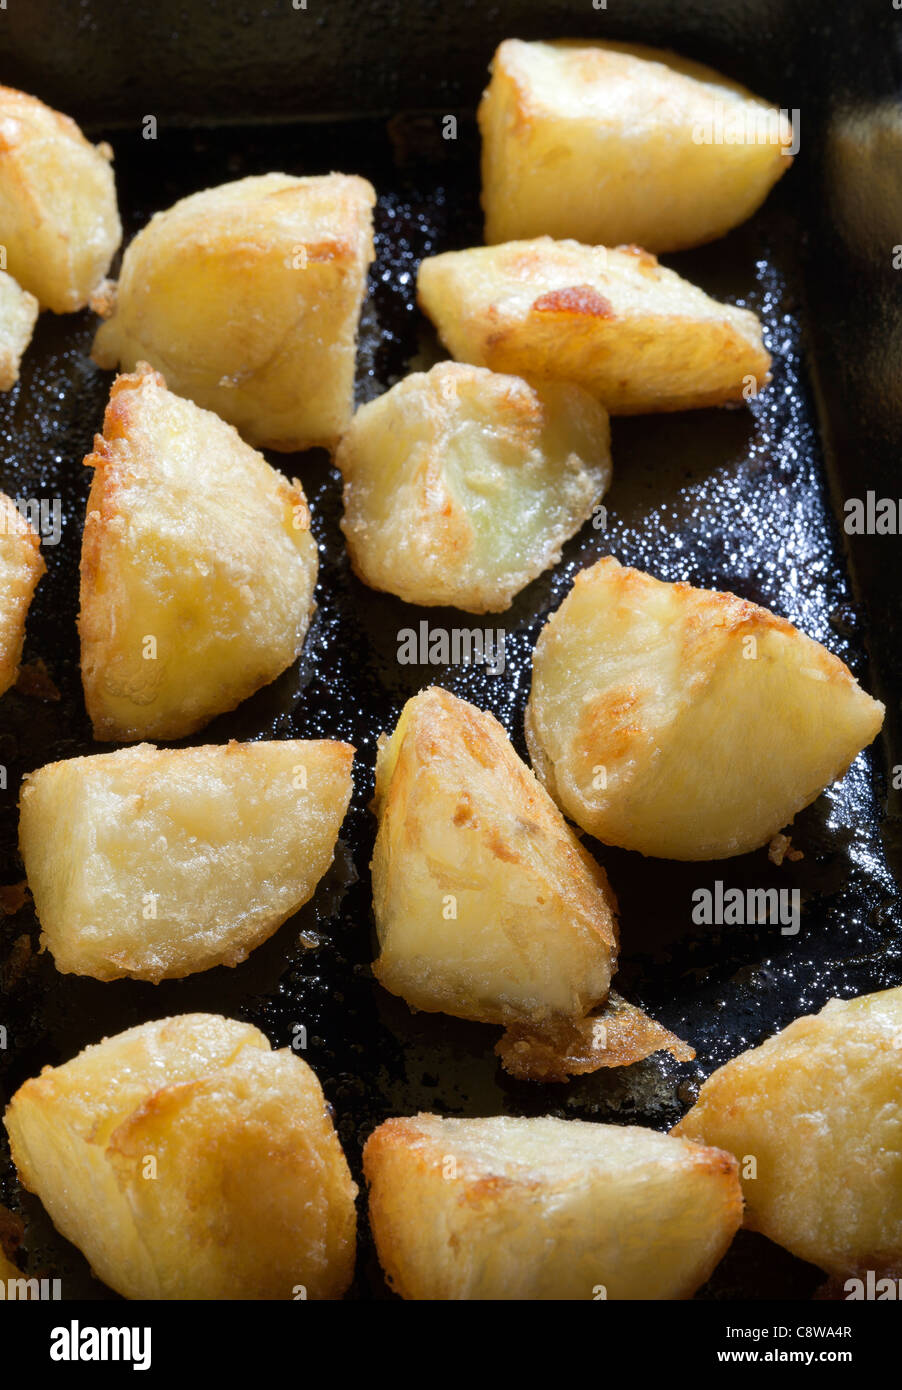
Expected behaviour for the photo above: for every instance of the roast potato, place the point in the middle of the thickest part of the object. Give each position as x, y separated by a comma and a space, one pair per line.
487, 906
686, 723
635, 335
188, 1161
21, 566
613, 142
814, 1116
543, 1208
197, 567
58, 216
461, 485
18, 315
247, 297
155, 863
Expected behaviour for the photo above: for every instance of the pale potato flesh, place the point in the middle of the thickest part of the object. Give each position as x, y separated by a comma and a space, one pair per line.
487, 906
197, 570
632, 333
246, 297
682, 722
155, 863
818, 1108
606, 143
18, 316
461, 485
59, 220
188, 1161
21, 566
543, 1208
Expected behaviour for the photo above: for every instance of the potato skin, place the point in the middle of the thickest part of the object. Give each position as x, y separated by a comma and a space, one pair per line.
819, 1107
18, 316
682, 722
566, 125
216, 563
156, 863
630, 332
461, 485
21, 566
246, 296
251, 1195
59, 220
541, 1209
463, 824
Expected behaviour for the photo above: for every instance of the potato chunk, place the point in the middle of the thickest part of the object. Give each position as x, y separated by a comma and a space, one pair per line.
634, 334
58, 216
155, 863
197, 567
247, 297
487, 906
611, 142
818, 1108
18, 316
686, 723
460, 485
188, 1161
21, 566
537, 1209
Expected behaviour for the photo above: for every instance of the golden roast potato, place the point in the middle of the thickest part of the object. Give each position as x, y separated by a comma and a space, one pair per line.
543, 1208
155, 863
461, 485
18, 316
21, 566
633, 334
613, 142
58, 216
814, 1116
197, 567
487, 906
686, 723
188, 1161
247, 297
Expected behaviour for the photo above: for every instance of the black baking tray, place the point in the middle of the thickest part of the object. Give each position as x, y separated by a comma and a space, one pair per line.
749, 500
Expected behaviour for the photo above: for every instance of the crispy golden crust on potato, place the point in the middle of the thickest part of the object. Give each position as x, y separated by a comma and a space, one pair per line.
21, 566
682, 722
197, 569
538, 1209
155, 863
188, 1161
461, 485
18, 316
567, 125
247, 296
629, 331
58, 214
818, 1107
487, 906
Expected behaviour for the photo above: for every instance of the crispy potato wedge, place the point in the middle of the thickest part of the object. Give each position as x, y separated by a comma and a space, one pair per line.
613, 142
188, 1161
543, 1208
818, 1108
686, 723
197, 567
487, 906
461, 485
21, 566
18, 316
247, 297
58, 216
633, 334
156, 863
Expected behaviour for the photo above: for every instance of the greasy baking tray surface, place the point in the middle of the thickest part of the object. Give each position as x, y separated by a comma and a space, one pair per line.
728, 499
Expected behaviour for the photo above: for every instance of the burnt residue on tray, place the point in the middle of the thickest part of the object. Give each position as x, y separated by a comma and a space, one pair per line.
731, 499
